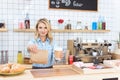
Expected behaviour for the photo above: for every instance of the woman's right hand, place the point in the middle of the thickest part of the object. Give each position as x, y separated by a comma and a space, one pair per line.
32, 48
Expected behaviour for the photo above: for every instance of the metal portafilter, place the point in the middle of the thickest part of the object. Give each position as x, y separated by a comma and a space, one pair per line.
77, 47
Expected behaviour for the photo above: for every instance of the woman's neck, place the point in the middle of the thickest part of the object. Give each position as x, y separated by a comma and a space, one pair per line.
43, 39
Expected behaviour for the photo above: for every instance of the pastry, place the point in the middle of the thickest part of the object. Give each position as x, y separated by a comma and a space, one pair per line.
11, 68
15, 68
5, 69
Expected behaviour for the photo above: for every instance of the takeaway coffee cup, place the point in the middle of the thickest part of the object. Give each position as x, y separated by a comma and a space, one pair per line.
58, 52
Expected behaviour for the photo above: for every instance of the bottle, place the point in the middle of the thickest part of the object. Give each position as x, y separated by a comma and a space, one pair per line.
94, 25
70, 59
103, 23
19, 57
99, 23
27, 21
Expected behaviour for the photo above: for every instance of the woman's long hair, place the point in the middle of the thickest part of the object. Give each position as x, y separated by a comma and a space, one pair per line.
46, 22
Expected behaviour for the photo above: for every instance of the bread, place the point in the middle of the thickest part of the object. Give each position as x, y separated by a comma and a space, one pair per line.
15, 68
11, 68
5, 69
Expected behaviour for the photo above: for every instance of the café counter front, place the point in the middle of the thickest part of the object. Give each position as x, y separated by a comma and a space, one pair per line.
65, 72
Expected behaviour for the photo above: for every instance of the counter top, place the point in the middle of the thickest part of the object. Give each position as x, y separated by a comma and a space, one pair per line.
28, 76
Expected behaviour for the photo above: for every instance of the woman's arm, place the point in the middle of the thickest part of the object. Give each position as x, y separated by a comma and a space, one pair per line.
32, 48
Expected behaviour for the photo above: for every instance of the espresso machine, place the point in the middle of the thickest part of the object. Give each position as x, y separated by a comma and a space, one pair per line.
82, 50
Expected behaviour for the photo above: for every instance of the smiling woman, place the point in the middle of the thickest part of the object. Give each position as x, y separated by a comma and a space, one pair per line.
43, 41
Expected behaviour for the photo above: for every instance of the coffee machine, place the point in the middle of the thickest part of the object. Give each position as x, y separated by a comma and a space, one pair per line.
85, 50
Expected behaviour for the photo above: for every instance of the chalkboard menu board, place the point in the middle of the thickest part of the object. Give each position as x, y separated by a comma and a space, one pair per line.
74, 4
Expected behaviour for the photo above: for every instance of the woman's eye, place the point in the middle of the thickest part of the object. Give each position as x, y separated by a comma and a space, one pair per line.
45, 27
40, 27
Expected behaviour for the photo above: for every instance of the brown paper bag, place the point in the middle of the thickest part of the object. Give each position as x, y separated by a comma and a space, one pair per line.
41, 57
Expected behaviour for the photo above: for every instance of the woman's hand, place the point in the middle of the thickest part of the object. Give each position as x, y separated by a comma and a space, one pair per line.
32, 48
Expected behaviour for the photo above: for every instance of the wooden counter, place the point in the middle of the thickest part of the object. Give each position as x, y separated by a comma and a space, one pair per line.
28, 76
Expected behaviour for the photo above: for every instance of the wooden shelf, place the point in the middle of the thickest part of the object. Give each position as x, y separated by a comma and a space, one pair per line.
84, 31
24, 30
64, 31
3, 30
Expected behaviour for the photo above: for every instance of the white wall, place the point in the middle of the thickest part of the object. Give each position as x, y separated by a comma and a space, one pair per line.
13, 11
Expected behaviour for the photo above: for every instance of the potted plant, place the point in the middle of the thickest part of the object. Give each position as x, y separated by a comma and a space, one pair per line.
60, 22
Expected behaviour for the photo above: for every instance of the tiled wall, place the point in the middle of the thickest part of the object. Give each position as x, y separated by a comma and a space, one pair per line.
13, 11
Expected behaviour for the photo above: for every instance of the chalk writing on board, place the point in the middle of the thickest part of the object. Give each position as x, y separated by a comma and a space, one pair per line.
74, 4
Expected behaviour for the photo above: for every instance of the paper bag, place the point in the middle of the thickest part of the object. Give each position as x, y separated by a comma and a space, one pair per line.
41, 57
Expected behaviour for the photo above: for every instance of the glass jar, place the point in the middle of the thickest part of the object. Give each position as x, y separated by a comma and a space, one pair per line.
68, 25
79, 25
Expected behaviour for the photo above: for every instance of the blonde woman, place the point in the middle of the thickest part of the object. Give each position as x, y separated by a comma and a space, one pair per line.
44, 40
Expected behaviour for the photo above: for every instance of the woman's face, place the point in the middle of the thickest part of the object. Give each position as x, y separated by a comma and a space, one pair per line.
42, 29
